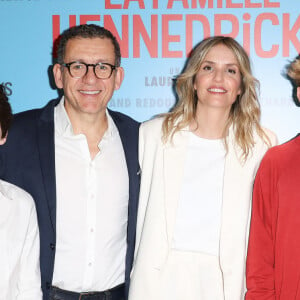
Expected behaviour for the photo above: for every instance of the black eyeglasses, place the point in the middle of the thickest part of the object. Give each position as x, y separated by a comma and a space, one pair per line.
79, 69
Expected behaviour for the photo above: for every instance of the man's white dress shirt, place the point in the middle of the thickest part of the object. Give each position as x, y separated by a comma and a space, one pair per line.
19, 245
91, 210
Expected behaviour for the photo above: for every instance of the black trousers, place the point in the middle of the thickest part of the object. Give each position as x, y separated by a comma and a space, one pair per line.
116, 293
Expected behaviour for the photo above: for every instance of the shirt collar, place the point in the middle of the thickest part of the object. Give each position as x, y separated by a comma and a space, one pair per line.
63, 124
111, 130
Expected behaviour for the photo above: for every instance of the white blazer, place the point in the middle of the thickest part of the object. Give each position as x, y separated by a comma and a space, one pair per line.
162, 167
19, 245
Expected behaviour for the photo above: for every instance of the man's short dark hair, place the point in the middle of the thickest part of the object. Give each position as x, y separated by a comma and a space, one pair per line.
293, 71
86, 31
5, 112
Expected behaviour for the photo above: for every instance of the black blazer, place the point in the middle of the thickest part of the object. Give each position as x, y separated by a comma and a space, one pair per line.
28, 161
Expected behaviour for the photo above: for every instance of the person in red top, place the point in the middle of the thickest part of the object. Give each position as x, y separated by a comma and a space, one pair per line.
273, 260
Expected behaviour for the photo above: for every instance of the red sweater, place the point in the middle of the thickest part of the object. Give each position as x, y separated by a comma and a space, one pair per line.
273, 261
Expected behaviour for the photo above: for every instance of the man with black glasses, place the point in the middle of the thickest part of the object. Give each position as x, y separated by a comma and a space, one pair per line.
79, 162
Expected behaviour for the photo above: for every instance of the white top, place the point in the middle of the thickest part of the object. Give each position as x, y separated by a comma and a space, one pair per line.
19, 245
92, 208
198, 218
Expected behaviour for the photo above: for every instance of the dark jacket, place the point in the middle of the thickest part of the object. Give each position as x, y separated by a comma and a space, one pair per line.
28, 161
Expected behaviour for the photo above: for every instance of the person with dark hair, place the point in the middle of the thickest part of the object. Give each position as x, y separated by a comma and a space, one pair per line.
19, 236
79, 162
91, 31
5, 114
273, 261
198, 164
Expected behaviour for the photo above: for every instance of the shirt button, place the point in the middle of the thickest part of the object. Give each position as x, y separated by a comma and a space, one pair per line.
90, 264
52, 246
92, 230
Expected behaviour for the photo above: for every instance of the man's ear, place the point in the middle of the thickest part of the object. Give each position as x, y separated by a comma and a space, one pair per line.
57, 73
119, 77
298, 93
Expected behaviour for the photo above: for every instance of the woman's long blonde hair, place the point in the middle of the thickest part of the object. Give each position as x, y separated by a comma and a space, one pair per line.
244, 113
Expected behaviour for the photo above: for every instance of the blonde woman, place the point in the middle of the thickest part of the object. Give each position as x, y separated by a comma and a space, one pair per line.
198, 165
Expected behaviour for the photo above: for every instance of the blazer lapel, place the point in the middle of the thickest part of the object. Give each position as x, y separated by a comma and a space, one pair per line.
238, 176
232, 191
174, 159
130, 145
47, 157
129, 138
